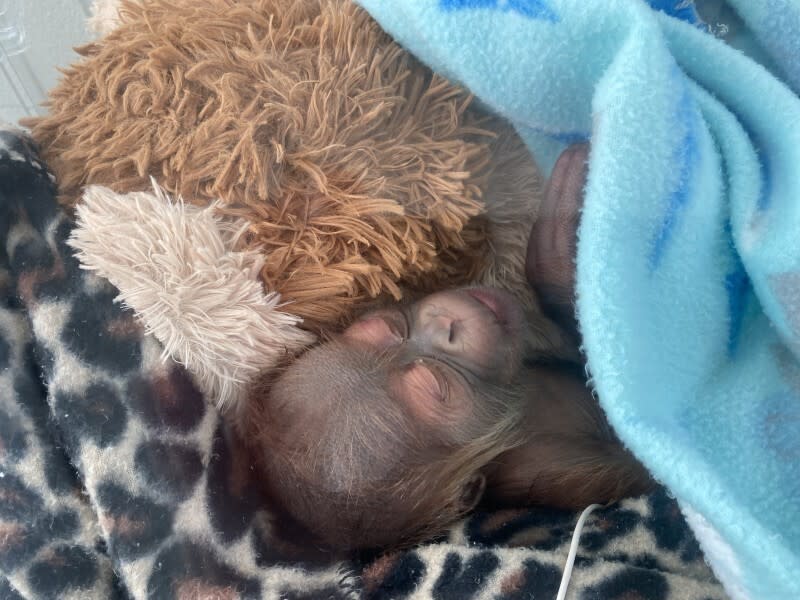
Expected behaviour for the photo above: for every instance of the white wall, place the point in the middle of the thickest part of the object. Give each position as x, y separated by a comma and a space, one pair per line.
52, 28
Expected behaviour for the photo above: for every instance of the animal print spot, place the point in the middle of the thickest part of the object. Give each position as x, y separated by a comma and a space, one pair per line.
62, 570
101, 333
646, 561
17, 501
630, 583
279, 541
30, 396
59, 473
97, 414
536, 580
29, 193
118, 589
540, 528
168, 401
5, 226
607, 526
7, 300
51, 284
19, 542
13, 439
63, 524
233, 497
641, 561
57, 275
669, 528
135, 525
44, 272
190, 570
43, 357
393, 576
172, 469
459, 580
5, 354
24, 524
30, 257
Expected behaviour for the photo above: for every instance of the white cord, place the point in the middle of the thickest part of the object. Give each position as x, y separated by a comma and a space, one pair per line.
573, 550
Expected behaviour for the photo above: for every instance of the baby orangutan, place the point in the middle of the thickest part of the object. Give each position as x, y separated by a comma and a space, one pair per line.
393, 429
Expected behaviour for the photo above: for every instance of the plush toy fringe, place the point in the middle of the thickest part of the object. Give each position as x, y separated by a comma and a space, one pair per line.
176, 267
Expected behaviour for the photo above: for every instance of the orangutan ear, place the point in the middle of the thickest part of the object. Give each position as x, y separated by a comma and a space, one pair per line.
472, 492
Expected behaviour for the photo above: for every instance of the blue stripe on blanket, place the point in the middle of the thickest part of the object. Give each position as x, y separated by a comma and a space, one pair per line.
534, 9
738, 287
686, 156
680, 9
766, 183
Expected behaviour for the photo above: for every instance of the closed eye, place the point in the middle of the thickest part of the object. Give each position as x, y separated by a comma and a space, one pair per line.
399, 322
432, 390
421, 387
375, 331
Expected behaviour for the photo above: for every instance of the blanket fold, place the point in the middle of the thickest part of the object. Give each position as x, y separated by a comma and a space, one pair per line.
688, 266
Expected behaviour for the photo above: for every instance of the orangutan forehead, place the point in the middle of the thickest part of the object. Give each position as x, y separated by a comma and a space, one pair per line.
335, 379
343, 366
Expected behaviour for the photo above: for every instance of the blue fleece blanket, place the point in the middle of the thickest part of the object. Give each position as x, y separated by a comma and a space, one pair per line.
689, 242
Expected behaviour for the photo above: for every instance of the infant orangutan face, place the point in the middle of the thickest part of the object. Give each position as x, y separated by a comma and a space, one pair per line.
440, 350
380, 434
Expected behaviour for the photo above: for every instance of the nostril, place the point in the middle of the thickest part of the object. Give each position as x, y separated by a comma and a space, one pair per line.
451, 337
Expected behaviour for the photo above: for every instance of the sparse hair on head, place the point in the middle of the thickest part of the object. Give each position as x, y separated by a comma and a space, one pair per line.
368, 477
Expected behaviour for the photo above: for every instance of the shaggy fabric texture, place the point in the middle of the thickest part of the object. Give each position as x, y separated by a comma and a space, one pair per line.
359, 171
119, 480
177, 269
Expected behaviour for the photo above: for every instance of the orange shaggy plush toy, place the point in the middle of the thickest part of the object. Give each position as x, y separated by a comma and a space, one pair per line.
284, 157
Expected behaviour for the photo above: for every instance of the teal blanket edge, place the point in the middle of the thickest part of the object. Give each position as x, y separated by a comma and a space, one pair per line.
689, 243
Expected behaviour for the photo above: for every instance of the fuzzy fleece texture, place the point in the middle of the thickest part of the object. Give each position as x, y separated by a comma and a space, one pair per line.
118, 479
688, 267
201, 299
359, 171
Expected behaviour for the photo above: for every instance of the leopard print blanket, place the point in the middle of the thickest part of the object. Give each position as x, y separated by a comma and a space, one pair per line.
118, 479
